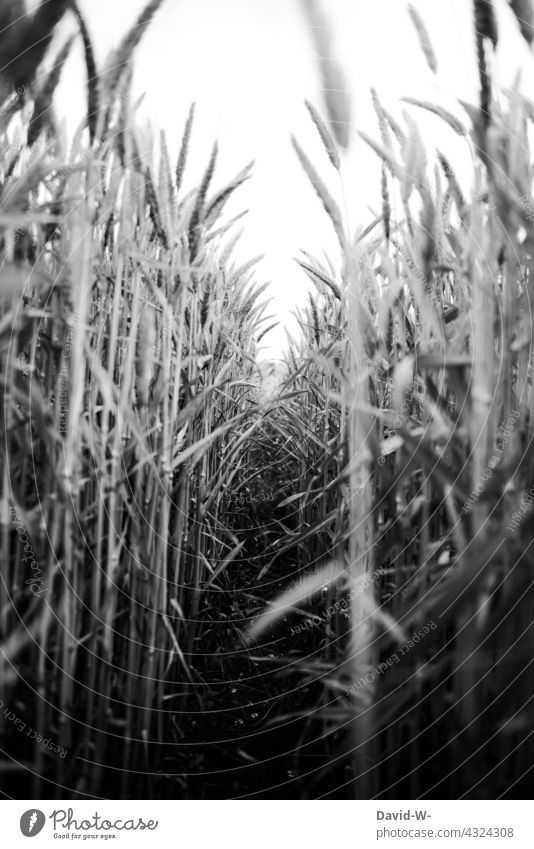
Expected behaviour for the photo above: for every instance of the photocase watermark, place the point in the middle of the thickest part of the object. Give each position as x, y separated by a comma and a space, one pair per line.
65, 819
62, 374
32, 822
244, 495
518, 515
241, 499
36, 582
401, 418
421, 276
342, 605
492, 463
22, 727
392, 660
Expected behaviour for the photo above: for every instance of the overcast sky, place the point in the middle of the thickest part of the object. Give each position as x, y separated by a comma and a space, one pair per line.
249, 65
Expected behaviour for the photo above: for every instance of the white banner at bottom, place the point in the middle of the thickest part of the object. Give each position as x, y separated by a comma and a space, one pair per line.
233, 824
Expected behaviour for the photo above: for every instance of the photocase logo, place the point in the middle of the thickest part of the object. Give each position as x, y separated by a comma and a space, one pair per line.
32, 822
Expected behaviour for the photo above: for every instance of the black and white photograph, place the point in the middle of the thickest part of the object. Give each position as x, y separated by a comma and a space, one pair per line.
267, 414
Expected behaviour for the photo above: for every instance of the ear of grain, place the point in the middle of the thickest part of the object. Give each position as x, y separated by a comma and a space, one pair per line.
442, 113
122, 56
154, 209
184, 147
424, 38
93, 81
384, 154
326, 138
216, 205
334, 83
386, 206
316, 274
42, 112
327, 200
198, 209
453, 183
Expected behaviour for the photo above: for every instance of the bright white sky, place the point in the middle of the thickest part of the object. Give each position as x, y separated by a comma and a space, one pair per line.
249, 65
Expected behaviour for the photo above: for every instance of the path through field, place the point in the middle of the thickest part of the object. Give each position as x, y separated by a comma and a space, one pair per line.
252, 728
